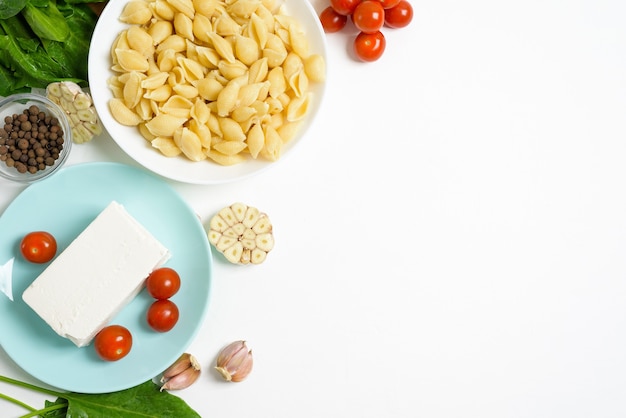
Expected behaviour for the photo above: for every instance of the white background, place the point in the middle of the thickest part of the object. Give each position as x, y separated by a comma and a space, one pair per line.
450, 237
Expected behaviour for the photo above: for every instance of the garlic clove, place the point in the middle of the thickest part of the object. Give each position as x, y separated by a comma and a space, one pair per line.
181, 364
182, 380
234, 362
181, 374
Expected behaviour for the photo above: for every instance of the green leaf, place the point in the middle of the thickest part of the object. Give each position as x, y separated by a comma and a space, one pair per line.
143, 401
56, 413
47, 22
9, 8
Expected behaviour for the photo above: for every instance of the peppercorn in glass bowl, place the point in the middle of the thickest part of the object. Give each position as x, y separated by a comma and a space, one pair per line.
35, 138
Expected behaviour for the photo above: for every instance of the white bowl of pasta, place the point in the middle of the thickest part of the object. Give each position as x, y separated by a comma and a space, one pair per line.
207, 92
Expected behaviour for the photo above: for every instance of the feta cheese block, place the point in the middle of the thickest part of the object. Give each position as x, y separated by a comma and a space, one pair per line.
102, 270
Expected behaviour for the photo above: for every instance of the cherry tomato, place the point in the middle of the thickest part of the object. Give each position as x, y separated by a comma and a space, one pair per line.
113, 342
332, 21
163, 283
400, 15
162, 315
388, 4
38, 247
369, 46
369, 16
344, 7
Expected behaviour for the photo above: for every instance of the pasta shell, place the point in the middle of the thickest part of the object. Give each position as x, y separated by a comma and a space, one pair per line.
299, 83
185, 90
136, 12
166, 60
225, 160
230, 147
193, 69
243, 8
177, 106
189, 144
160, 30
258, 71
222, 46
208, 88
232, 70
200, 111
273, 144
160, 94
288, 131
242, 114
225, 25
257, 30
183, 26
144, 109
298, 41
227, 98
201, 27
165, 125
131, 60
132, 89
174, 42
315, 68
183, 6
205, 7
122, 113
231, 130
154, 80
163, 10
255, 140
278, 84
203, 132
140, 40
167, 146
298, 107
246, 50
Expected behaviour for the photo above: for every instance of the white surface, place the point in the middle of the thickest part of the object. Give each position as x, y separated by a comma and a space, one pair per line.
450, 242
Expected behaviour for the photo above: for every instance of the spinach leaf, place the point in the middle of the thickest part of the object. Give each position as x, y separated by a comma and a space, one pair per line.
72, 55
47, 22
143, 401
9, 8
34, 65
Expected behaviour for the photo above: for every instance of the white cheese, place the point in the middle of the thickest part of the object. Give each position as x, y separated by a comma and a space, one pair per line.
102, 270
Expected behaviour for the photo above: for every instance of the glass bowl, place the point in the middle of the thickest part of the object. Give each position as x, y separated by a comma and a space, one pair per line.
48, 163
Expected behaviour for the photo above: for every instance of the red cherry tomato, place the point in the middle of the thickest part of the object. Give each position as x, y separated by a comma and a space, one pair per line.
369, 16
369, 46
163, 283
400, 15
113, 342
388, 4
38, 247
332, 21
162, 315
344, 7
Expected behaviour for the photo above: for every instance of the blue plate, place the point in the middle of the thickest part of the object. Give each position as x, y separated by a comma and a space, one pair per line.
64, 205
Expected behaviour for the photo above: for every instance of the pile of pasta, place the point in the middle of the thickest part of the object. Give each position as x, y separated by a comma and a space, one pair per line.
214, 80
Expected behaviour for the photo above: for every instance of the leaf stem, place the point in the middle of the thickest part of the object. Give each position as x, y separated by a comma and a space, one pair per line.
15, 401
44, 410
30, 386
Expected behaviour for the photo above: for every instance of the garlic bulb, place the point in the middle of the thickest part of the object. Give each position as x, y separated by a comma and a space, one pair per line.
234, 362
79, 108
242, 233
182, 374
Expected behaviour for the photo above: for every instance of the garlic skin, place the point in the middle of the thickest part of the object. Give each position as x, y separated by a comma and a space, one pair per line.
234, 362
182, 374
